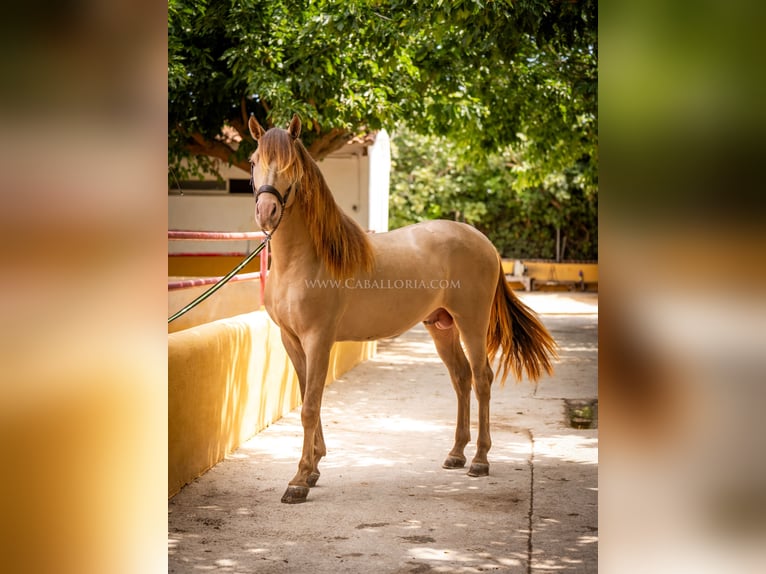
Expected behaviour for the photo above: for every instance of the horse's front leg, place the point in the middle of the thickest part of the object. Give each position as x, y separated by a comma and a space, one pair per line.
320, 450
317, 360
298, 358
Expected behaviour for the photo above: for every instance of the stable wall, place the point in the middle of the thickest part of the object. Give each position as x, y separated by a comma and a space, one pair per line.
212, 212
357, 173
358, 176
227, 380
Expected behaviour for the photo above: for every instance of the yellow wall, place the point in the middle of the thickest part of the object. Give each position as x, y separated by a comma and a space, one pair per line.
208, 265
227, 380
544, 271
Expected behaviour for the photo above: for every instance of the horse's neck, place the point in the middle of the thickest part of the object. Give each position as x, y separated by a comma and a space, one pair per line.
291, 247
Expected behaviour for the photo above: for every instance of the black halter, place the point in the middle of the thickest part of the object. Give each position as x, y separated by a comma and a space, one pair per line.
273, 191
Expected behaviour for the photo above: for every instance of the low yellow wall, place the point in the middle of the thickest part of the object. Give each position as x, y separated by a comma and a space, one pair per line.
227, 380
545, 271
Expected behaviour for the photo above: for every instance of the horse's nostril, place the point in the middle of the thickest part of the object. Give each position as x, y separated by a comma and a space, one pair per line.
266, 210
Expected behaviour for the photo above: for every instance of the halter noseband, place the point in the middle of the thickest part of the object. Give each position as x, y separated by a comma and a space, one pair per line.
275, 192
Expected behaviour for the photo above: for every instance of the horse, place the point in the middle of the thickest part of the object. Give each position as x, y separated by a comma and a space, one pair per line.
331, 281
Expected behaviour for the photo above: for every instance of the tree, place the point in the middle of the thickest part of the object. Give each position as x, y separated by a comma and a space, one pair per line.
430, 180
485, 74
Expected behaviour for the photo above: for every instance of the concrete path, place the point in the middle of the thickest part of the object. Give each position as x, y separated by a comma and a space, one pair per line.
383, 503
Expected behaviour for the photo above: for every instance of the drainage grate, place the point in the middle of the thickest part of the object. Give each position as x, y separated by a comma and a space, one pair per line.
582, 413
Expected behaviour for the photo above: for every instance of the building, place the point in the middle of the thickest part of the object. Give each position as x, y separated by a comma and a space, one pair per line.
358, 176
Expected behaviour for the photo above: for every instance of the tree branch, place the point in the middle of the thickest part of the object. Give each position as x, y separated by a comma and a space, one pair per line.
214, 148
241, 127
324, 145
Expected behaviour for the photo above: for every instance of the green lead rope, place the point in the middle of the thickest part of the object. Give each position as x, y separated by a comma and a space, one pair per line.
221, 281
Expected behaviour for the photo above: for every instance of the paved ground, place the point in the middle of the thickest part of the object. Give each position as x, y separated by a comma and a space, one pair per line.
383, 503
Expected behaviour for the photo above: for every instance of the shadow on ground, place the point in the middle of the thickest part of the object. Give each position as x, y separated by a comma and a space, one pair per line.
383, 503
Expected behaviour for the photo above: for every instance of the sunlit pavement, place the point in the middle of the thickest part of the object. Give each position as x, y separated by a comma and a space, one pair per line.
383, 502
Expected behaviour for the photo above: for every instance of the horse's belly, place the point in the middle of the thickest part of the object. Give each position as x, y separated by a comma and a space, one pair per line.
371, 332
387, 315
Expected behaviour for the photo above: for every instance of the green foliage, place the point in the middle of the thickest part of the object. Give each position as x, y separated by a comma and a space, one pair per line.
428, 181
481, 73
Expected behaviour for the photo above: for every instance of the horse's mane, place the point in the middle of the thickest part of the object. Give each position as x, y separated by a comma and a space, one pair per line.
338, 240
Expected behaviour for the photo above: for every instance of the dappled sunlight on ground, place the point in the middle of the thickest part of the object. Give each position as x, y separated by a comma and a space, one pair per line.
477, 562
403, 424
383, 503
571, 303
569, 448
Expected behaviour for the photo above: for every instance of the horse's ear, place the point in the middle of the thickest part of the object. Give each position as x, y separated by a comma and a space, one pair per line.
255, 128
294, 129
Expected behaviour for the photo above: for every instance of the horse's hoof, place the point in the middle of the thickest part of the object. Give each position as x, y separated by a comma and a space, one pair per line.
295, 494
453, 462
313, 477
479, 469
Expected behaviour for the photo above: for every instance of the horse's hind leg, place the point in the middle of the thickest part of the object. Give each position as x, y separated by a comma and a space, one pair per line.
447, 343
474, 337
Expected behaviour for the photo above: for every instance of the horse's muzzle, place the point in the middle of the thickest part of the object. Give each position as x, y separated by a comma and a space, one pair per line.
268, 212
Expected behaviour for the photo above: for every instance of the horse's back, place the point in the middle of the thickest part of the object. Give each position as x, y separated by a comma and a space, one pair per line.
441, 228
451, 244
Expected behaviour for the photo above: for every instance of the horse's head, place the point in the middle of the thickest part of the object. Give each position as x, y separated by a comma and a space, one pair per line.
275, 171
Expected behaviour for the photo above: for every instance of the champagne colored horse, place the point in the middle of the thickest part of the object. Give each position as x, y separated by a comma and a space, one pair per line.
330, 281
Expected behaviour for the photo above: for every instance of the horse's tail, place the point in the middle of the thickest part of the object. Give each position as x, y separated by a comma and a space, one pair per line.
513, 327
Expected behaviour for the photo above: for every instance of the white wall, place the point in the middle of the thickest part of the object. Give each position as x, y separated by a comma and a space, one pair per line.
359, 179
379, 181
211, 212
347, 176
